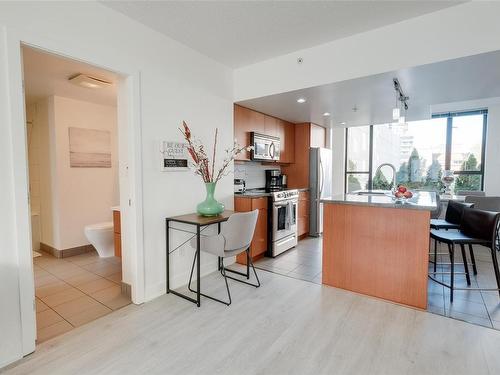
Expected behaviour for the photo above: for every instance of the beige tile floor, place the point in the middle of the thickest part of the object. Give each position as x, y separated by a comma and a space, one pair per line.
75, 290
483, 308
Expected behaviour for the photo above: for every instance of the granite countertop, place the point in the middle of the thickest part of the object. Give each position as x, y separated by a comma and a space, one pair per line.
420, 200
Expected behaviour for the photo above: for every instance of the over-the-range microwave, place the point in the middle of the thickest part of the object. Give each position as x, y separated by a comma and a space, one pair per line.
265, 147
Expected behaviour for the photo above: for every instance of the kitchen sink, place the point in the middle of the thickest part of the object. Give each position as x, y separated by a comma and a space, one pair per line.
372, 192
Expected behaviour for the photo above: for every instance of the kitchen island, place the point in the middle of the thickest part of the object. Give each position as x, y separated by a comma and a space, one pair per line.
377, 246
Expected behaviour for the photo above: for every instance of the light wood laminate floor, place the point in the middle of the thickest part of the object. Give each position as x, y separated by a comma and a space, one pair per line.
287, 326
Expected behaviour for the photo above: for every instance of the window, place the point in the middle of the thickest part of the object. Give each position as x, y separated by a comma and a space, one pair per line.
420, 153
358, 159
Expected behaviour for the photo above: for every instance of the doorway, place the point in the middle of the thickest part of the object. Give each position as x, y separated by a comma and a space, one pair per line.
74, 191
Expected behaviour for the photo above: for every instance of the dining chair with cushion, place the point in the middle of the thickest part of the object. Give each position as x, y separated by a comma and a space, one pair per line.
477, 227
452, 219
484, 203
235, 238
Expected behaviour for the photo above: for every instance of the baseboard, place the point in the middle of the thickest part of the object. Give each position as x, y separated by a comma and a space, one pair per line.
64, 253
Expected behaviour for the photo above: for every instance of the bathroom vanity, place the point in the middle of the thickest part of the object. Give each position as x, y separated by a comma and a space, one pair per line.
117, 231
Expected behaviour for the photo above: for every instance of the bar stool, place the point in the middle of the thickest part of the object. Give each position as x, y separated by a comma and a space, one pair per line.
452, 219
477, 227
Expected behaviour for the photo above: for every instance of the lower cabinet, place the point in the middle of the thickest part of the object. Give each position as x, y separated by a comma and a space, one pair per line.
117, 233
303, 214
258, 246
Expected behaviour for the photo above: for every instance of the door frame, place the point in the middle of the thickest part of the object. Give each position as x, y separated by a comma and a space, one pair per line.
129, 118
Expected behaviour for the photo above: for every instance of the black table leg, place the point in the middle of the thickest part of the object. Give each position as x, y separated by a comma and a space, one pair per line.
198, 299
167, 230
218, 258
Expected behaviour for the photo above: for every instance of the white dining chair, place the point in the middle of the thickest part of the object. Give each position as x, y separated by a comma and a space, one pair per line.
235, 238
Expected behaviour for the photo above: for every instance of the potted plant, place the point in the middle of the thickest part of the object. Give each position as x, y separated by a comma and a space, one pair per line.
206, 168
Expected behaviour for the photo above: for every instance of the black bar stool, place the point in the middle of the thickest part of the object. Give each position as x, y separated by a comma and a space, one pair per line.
452, 219
477, 227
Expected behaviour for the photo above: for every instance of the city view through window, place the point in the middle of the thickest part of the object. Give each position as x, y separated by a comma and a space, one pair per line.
420, 152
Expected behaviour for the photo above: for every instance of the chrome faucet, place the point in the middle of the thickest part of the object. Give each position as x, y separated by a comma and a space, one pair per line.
393, 172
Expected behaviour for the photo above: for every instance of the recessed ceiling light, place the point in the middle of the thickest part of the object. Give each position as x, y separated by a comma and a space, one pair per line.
301, 100
343, 123
326, 114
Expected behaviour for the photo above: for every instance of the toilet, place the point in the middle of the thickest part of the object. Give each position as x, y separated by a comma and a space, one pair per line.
100, 235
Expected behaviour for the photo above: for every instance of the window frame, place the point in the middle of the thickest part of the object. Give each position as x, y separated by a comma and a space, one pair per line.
448, 147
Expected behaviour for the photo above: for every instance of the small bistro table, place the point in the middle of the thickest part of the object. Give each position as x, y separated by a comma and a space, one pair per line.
199, 222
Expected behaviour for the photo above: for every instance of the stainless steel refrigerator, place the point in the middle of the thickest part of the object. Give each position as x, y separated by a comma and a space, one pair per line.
320, 184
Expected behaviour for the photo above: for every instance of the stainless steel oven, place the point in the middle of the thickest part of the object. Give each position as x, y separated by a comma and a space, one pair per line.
284, 221
265, 147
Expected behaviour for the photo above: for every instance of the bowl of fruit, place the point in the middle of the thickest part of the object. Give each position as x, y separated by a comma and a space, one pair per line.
402, 193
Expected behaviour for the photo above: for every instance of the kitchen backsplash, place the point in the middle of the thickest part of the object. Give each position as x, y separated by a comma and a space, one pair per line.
253, 173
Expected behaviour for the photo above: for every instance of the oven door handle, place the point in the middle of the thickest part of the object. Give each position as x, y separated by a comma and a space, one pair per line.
280, 204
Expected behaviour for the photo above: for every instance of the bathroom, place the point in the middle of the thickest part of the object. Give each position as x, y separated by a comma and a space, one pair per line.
74, 191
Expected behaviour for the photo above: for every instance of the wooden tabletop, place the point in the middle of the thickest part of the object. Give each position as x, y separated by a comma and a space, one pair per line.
196, 219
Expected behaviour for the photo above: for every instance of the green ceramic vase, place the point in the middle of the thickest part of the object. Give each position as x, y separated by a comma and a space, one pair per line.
210, 207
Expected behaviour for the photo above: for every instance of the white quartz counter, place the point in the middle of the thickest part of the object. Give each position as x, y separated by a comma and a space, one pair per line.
420, 200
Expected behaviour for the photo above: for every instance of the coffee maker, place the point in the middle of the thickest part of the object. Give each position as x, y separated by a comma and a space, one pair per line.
274, 180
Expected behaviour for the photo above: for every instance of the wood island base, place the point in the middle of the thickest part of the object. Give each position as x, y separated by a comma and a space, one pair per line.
377, 251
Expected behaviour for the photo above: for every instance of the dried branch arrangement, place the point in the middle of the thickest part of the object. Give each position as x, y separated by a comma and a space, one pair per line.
201, 162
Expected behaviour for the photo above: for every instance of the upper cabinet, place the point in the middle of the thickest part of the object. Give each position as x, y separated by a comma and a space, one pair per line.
271, 126
286, 132
306, 135
318, 136
247, 121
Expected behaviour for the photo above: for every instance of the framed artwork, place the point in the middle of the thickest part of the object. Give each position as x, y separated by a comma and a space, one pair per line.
89, 148
174, 156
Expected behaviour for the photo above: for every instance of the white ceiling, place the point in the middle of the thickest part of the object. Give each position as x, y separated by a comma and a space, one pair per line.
469, 78
238, 33
46, 74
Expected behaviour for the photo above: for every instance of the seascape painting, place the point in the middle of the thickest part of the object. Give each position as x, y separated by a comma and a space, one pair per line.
89, 148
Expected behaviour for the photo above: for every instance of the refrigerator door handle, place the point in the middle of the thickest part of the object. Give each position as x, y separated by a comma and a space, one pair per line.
322, 177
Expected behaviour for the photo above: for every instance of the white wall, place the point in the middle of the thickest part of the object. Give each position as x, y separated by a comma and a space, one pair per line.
84, 195
10, 312
454, 32
176, 84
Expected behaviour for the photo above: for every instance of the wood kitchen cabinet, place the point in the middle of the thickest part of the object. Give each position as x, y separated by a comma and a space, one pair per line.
117, 233
303, 214
271, 126
286, 133
306, 135
258, 246
247, 121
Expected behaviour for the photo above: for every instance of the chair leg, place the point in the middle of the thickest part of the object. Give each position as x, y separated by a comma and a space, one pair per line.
495, 265
451, 248
255, 273
225, 279
247, 275
466, 266
473, 259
